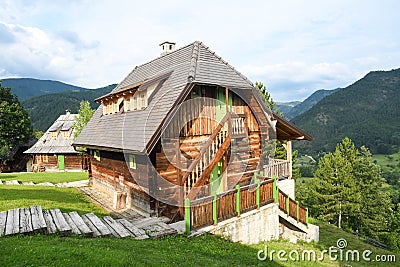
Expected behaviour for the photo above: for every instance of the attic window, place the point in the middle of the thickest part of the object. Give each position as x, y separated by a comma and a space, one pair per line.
53, 135
121, 106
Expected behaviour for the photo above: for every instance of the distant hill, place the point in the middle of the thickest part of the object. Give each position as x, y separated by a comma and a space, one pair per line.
295, 108
285, 107
367, 111
45, 109
26, 87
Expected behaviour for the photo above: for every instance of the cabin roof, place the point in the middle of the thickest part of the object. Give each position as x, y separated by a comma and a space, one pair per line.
59, 145
184, 67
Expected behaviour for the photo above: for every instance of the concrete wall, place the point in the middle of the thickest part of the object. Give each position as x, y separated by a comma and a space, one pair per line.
287, 186
251, 227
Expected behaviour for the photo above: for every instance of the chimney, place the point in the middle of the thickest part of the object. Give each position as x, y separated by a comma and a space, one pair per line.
67, 111
167, 47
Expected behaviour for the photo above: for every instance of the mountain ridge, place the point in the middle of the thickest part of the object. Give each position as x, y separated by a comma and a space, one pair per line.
367, 111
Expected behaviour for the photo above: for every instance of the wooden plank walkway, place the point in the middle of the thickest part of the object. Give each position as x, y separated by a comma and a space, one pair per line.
33, 220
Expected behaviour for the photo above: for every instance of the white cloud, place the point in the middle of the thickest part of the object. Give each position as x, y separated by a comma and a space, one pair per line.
294, 47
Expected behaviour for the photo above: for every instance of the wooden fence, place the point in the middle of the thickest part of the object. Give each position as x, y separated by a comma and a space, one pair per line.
210, 210
292, 208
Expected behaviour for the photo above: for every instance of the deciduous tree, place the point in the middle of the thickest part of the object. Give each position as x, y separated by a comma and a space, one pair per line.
15, 124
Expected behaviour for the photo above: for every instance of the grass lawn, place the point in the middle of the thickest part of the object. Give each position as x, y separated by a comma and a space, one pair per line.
204, 250
40, 177
66, 199
169, 251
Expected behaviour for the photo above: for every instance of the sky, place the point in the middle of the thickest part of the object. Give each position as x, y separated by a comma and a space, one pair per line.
293, 47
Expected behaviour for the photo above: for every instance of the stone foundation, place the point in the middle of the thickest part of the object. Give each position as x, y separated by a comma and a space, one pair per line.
251, 227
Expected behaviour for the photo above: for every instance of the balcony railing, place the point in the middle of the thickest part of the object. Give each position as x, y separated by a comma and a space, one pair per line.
278, 168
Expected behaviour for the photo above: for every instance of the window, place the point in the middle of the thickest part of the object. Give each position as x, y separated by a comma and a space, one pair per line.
133, 103
143, 100
53, 135
96, 155
132, 162
66, 134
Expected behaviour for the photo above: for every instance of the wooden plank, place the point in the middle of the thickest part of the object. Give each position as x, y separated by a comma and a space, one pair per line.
3, 220
117, 226
83, 228
38, 222
137, 232
12, 225
61, 224
113, 232
71, 223
93, 228
51, 227
104, 231
25, 221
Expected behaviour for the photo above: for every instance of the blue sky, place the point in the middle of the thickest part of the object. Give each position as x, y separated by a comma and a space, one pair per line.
294, 47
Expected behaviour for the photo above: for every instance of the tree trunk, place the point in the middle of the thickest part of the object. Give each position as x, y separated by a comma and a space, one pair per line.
340, 215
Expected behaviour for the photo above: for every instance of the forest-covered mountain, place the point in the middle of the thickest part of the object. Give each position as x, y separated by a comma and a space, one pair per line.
27, 87
367, 111
290, 111
45, 109
285, 107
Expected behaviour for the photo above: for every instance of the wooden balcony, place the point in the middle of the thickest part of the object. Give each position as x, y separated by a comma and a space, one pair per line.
279, 168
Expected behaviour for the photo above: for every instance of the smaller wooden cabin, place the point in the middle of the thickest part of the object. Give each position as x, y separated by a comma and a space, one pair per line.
54, 150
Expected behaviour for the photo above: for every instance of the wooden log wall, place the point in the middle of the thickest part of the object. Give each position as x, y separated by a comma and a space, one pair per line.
113, 174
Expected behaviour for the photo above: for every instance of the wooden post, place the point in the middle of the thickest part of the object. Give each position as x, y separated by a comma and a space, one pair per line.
287, 205
289, 156
187, 215
215, 219
257, 181
227, 110
275, 190
238, 200
297, 211
307, 217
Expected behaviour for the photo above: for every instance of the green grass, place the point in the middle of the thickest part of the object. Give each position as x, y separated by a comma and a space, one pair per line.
40, 177
204, 250
66, 199
169, 251
388, 162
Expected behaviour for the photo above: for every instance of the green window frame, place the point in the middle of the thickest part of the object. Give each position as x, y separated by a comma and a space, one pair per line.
96, 155
132, 162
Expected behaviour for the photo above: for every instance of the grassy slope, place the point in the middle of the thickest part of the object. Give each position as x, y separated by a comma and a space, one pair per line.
388, 162
40, 177
170, 251
66, 199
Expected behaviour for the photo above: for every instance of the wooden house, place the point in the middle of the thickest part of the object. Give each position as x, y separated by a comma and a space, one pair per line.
185, 125
54, 150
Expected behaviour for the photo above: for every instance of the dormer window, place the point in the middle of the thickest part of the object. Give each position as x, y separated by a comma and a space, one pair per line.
135, 97
66, 134
53, 135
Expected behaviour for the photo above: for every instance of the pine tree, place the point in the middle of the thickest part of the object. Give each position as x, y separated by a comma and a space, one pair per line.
335, 187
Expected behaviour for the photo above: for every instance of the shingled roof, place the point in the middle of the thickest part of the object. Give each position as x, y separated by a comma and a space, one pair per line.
189, 65
59, 145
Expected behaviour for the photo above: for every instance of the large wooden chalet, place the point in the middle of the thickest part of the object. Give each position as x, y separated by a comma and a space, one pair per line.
184, 125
